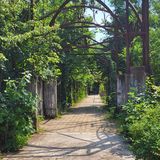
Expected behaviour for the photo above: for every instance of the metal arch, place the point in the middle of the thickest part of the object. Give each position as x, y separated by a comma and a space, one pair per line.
52, 22
111, 13
70, 25
90, 38
106, 9
91, 46
144, 27
144, 33
74, 7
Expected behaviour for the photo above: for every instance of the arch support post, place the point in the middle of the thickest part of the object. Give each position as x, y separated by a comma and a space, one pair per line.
145, 35
128, 55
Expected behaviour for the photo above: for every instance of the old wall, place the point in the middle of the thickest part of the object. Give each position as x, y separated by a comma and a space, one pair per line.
47, 96
135, 81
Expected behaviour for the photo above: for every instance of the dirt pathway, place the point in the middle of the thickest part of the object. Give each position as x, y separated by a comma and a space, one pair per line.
81, 134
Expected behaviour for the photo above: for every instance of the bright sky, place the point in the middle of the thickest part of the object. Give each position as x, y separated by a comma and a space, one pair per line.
99, 17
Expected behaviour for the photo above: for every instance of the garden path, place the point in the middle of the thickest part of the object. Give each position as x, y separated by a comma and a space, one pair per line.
81, 134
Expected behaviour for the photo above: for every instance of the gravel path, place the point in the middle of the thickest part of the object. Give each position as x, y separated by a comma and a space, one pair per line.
82, 134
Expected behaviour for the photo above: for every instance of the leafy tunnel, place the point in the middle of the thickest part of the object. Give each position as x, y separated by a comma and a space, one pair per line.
53, 53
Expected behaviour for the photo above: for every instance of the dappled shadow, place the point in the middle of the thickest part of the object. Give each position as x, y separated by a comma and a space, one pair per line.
82, 133
86, 110
110, 143
70, 125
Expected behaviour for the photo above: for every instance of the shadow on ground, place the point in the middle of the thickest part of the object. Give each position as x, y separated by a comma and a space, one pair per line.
81, 134
109, 143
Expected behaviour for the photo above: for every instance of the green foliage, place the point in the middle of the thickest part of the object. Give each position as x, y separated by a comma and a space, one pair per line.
45, 65
2, 60
28, 44
155, 49
2, 57
103, 93
17, 109
141, 122
155, 39
136, 51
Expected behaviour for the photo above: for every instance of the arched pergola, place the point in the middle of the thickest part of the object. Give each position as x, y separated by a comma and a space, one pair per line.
128, 30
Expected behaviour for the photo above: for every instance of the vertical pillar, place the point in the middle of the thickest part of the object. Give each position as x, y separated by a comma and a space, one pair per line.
50, 98
145, 35
128, 56
117, 66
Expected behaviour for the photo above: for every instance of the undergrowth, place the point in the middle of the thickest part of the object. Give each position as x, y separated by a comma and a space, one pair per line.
140, 122
17, 111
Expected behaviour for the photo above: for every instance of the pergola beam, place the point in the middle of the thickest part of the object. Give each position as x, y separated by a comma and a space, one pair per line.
73, 7
126, 30
89, 25
108, 10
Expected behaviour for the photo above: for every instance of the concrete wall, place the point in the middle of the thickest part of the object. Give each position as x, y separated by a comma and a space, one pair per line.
47, 96
127, 83
50, 99
137, 79
121, 89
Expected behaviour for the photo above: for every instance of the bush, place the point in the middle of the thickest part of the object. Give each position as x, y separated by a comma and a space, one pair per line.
17, 108
103, 93
141, 123
145, 135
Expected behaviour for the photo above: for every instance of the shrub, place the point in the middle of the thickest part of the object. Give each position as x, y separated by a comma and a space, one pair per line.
17, 108
145, 134
103, 93
141, 123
